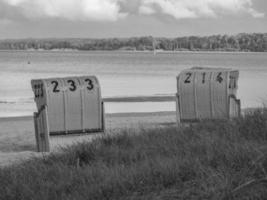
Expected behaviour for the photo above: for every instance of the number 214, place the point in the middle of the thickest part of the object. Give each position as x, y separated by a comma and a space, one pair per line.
219, 77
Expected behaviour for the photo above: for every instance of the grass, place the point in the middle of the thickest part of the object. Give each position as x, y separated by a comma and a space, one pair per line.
208, 160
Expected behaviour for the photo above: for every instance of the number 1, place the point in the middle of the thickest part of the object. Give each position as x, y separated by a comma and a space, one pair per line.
203, 77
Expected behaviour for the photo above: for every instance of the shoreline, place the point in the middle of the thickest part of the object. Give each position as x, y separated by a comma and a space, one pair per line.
158, 51
27, 117
17, 135
120, 114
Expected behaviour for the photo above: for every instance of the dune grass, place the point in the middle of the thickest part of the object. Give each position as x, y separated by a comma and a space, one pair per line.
208, 160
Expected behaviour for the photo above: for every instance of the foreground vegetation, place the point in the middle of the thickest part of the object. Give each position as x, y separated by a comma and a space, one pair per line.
256, 42
209, 160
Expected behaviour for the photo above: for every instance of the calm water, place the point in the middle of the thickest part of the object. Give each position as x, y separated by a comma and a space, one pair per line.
123, 74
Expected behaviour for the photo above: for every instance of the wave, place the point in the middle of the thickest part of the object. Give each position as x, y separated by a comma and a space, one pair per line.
17, 101
30, 100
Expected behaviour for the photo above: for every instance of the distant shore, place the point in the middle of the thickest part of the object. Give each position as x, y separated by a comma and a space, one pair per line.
131, 51
253, 42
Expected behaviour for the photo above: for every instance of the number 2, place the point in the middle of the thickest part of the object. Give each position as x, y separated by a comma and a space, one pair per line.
55, 89
187, 80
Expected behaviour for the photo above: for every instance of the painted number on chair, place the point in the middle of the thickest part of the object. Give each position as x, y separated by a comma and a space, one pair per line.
188, 78
72, 85
55, 86
219, 77
90, 84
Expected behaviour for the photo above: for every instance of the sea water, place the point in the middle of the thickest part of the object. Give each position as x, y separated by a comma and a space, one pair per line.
124, 74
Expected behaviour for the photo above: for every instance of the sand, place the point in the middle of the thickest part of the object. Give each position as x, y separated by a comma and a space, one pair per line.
17, 137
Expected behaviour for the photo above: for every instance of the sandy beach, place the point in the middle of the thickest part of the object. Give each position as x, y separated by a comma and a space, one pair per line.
17, 137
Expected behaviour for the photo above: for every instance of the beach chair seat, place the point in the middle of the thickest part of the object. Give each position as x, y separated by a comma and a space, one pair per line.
69, 105
207, 93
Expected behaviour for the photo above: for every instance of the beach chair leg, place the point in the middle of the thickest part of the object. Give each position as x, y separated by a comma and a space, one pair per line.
103, 116
37, 136
178, 119
46, 131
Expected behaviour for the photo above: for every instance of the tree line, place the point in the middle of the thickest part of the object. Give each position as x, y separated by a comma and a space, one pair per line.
256, 42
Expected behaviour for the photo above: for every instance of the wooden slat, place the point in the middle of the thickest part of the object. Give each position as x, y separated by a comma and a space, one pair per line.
46, 131
140, 99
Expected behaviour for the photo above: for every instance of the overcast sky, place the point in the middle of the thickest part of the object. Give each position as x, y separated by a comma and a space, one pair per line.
125, 18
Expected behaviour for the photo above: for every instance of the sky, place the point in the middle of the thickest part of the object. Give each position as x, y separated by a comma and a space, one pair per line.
128, 18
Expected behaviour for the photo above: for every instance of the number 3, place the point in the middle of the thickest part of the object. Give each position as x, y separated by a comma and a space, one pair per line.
90, 84
72, 84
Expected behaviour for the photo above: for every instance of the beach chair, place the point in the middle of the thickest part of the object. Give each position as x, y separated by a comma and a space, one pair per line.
70, 105
207, 93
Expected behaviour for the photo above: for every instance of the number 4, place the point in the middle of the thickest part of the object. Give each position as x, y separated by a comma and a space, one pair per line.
219, 77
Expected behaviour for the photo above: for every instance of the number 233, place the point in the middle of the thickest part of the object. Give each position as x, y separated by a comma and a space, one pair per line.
72, 85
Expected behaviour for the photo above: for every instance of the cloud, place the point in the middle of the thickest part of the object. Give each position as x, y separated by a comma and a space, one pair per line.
95, 10
4, 21
198, 8
255, 14
113, 10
